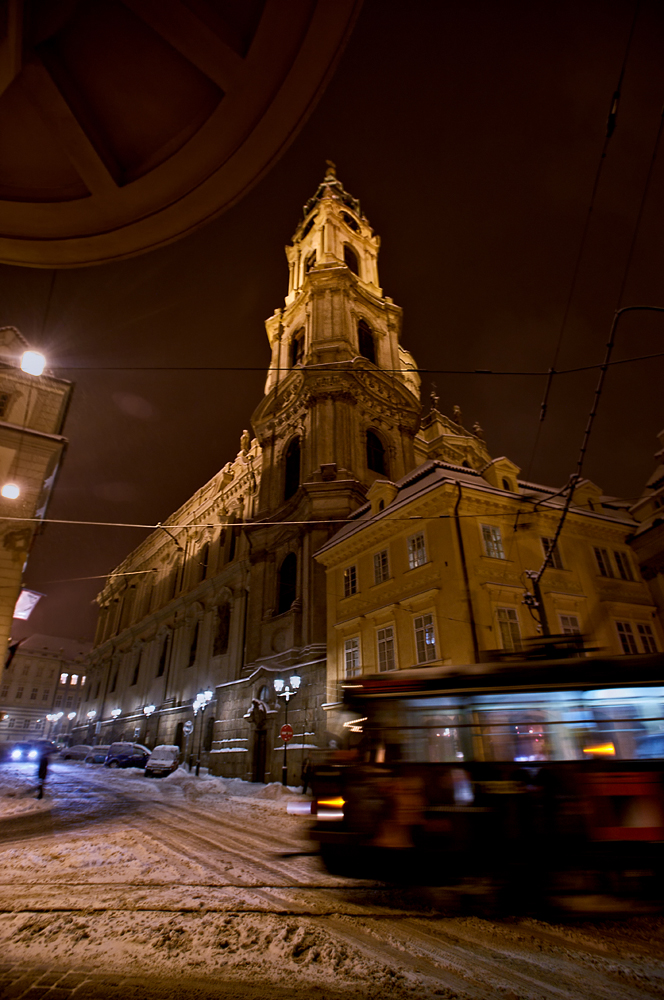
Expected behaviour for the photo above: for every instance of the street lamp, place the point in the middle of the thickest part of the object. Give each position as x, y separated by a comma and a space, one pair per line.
203, 699
52, 719
116, 712
286, 691
148, 710
33, 362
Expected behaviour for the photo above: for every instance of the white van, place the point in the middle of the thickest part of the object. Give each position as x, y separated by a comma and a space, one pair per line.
162, 761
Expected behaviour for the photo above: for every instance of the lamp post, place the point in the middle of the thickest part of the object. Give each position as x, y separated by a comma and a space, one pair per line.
286, 691
71, 716
52, 719
203, 699
147, 712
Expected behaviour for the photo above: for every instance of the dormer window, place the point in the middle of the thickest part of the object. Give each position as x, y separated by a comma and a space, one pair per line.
350, 260
297, 348
366, 341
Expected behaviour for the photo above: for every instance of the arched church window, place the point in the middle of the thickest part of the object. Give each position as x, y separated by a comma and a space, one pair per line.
350, 222
223, 629
287, 583
350, 260
292, 469
309, 262
366, 341
193, 647
297, 348
375, 454
308, 227
264, 693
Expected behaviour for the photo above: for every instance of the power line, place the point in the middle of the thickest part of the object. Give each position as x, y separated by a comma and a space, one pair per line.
357, 371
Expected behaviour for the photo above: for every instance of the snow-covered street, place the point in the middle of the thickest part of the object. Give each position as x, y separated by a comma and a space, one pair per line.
211, 878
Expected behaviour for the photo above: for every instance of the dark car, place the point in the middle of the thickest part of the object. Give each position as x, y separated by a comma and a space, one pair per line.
98, 754
127, 755
163, 760
25, 752
78, 751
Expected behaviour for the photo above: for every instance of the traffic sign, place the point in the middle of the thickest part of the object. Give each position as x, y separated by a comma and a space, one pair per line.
286, 733
188, 728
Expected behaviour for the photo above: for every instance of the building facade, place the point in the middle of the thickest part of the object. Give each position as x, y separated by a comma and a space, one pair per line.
47, 675
226, 595
32, 415
433, 570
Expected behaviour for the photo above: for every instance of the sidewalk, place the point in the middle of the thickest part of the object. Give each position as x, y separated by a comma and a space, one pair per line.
39, 982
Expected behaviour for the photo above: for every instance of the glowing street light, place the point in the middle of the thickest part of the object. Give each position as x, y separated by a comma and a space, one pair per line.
116, 712
148, 710
33, 362
91, 714
203, 699
286, 691
10, 491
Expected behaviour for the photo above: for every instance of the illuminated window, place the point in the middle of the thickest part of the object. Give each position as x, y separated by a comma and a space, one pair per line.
603, 562
624, 565
555, 561
508, 626
493, 541
350, 581
83, 680
417, 552
627, 637
64, 678
385, 640
647, 638
569, 625
73, 679
352, 657
19, 692
381, 567
33, 694
425, 639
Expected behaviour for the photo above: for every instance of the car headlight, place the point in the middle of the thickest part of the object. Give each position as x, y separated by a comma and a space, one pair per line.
33, 755
16, 754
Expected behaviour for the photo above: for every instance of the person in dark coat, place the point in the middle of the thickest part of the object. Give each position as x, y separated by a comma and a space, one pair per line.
42, 771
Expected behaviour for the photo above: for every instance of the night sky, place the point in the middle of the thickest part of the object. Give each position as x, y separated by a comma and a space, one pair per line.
471, 132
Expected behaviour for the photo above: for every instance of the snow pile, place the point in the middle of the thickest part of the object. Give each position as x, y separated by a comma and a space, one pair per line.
18, 788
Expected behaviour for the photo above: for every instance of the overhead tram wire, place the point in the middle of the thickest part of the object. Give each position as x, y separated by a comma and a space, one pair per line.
610, 129
352, 371
618, 314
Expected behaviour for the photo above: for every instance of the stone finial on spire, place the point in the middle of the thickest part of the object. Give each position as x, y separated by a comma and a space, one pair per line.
434, 397
331, 171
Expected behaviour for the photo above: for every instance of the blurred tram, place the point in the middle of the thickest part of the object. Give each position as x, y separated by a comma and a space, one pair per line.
541, 776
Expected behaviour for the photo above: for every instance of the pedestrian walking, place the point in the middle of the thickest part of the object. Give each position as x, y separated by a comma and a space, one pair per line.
42, 771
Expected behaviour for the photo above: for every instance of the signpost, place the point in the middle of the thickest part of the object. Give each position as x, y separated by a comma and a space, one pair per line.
286, 733
187, 729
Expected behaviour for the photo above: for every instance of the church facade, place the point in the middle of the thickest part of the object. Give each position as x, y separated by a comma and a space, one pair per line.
297, 566
226, 595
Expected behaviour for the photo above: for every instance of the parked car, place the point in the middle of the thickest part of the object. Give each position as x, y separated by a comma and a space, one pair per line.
97, 754
78, 752
127, 755
162, 761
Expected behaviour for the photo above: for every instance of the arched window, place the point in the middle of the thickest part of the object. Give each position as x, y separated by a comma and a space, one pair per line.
366, 341
350, 260
223, 629
193, 647
292, 469
297, 348
287, 583
375, 454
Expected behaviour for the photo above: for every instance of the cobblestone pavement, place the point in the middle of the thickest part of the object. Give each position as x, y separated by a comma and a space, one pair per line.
39, 982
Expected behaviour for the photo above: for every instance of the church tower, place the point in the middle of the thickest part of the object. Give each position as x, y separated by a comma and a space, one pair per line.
341, 396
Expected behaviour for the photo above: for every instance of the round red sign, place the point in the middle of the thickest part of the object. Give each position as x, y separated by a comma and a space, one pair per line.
286, 733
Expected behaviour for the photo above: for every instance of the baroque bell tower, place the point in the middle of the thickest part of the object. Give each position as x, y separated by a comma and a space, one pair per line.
341, 396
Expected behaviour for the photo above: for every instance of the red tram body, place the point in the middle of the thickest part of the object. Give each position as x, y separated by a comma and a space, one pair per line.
544, 776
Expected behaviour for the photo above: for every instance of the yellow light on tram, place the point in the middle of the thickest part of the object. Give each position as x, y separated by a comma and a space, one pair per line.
10, 491
337, 803
607, 749
33, 362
